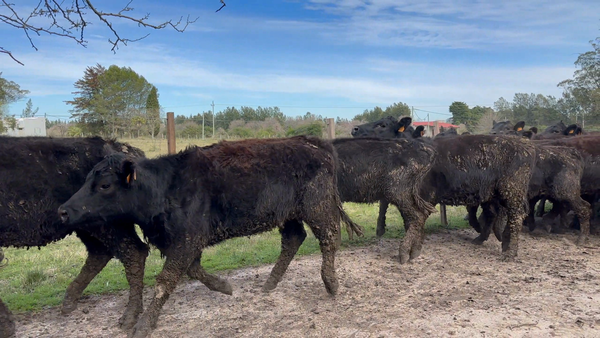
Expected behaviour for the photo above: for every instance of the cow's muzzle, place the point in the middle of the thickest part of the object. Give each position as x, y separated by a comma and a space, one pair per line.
63, 214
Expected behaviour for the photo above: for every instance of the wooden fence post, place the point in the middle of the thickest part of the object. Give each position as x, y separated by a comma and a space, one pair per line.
171, 133
443, 217
330, 128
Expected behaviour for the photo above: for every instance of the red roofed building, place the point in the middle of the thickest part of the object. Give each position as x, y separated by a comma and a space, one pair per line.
433, 128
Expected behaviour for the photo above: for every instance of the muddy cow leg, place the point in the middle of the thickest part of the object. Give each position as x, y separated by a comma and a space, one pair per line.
582, 209
213, 282
510, 235
176, 264
292, 236
383, 206
132, 253
412, 244
472, 217
486, 226
530, 219
98, 256
326, 236
7, 322
541, 209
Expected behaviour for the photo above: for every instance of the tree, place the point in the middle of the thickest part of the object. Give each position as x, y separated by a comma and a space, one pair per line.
460, 113
153, 112
69, 19
29, 111
396, 110
584, 87
10, 92
110, 99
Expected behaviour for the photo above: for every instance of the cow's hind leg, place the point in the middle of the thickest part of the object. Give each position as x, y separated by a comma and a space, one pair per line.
7, 322
176, 264
510, 235
213, 282
98, 256
472, 217
583, 210
292, 236
412, 243
383, 206
488, 218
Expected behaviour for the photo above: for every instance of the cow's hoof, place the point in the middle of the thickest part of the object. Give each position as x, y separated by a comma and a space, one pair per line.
581, 240
68, 307
141, 330
380, 231
268, 287
508, 257
128, 319
478, 240
403, 258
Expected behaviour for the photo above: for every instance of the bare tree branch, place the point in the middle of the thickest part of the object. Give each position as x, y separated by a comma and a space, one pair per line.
223, 2
70, 21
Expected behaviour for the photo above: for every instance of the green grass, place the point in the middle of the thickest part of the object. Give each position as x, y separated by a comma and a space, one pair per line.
37, 278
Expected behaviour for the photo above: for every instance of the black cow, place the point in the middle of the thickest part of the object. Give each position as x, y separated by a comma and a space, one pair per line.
201, 196
557, 176
387, 127
36, 176
475, 169
589, 147
390, 171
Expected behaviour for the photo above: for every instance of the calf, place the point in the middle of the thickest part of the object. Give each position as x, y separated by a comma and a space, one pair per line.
474, 169
202, 196
37, 175
390, 171
557, 176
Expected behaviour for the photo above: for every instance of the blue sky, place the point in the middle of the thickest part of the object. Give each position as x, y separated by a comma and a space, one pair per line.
329, 57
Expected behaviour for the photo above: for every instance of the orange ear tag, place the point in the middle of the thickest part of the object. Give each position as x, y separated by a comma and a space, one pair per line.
422, 132
519, 129
571, 131
401, 130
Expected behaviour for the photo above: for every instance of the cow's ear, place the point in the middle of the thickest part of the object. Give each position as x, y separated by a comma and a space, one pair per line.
404, 123
129, 171
533, 130
419, 132
579, 131
527, 134
519, 126
570, 130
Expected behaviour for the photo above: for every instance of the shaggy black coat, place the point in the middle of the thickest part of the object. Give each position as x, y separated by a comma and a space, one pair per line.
202, 196
37, 174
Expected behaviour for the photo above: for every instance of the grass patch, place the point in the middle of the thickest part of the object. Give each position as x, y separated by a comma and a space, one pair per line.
38, 278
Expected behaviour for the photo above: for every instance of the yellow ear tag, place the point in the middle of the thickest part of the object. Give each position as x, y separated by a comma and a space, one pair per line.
129, 177
571, 131
519, 129
401, 130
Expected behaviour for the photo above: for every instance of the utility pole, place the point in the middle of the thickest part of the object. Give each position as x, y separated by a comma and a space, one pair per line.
203, 125
213, 109
412, 111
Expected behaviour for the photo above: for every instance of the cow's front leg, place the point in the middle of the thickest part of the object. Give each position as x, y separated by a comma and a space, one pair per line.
176, 264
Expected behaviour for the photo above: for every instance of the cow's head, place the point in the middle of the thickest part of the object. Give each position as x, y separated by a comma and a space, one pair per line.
572, 130
445, 132
557, 128
419, 132
501, 127
387, 127
108, 192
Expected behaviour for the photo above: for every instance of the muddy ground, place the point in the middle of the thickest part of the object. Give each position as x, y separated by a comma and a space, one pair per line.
454, 289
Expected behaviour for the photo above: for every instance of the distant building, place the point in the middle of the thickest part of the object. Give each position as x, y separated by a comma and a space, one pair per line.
28, 126
433, 128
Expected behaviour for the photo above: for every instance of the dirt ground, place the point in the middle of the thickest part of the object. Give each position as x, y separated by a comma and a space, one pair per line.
454, 289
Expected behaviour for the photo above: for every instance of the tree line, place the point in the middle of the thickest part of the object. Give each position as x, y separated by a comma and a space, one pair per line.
117, 102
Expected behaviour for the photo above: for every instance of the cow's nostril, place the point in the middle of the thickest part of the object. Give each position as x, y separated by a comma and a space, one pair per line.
64, 215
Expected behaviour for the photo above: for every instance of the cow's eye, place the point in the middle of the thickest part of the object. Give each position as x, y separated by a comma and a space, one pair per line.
104, 186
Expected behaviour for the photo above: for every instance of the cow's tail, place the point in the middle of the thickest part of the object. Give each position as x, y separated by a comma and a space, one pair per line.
351, 227
416, 189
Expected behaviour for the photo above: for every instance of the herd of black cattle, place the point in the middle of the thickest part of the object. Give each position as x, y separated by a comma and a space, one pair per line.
98, 189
